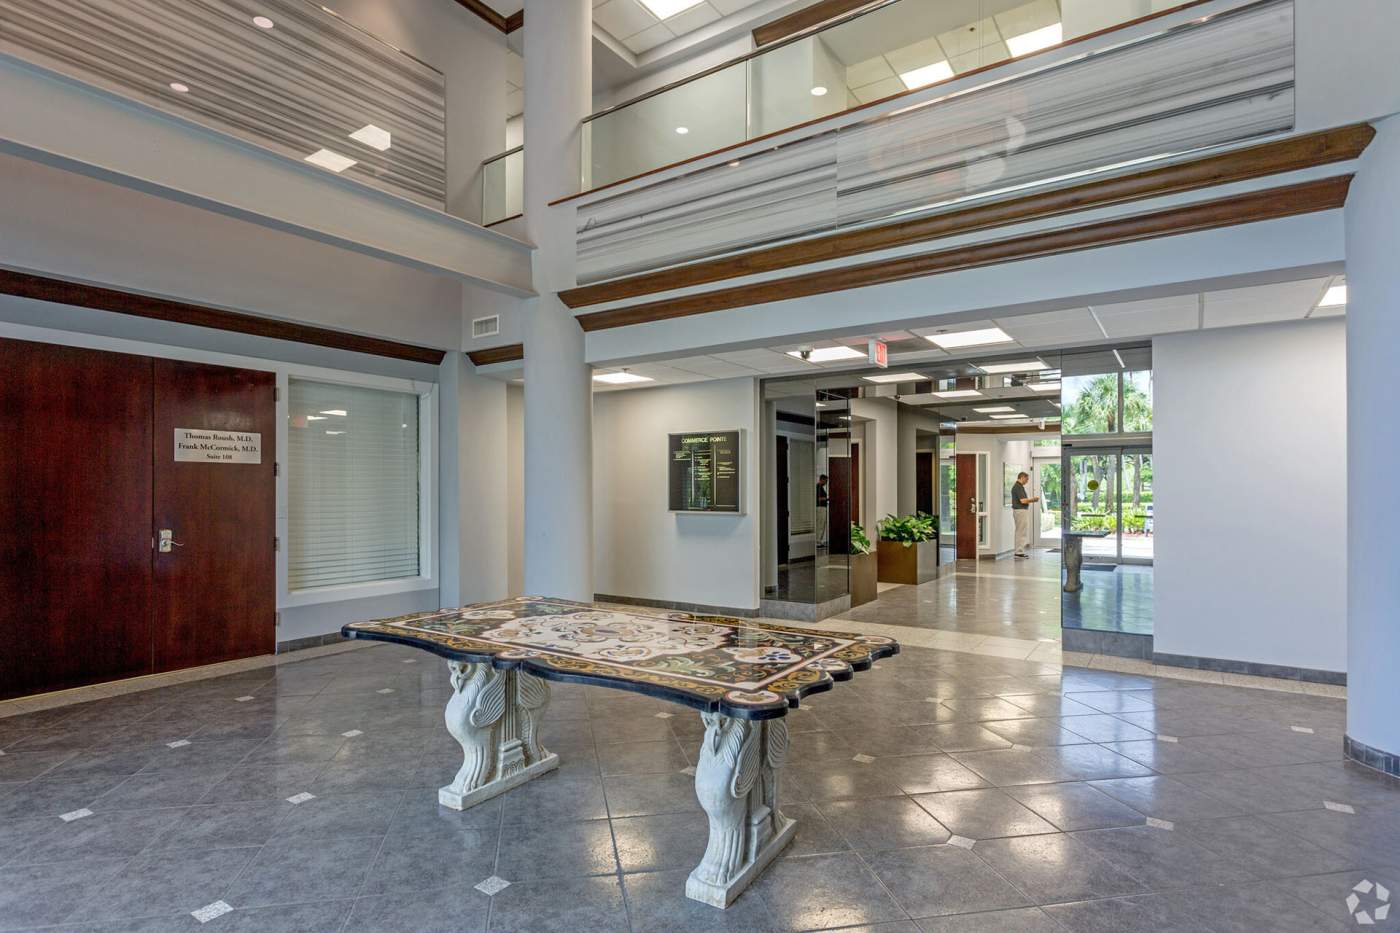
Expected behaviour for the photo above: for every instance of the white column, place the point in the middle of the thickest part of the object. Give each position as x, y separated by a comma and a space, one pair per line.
558, 387
1373, 448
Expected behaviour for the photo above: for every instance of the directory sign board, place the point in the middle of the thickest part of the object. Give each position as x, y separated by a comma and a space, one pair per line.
705, 472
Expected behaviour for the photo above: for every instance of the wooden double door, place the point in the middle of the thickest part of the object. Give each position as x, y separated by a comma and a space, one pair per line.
91, 473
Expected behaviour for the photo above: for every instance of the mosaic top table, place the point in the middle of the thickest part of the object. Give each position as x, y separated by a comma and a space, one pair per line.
742, 676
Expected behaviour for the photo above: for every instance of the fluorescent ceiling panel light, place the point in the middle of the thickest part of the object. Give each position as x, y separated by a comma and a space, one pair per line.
682, 130
895, 377
373, 136
829, 354
818, 91
959, 393
315, 417
664, 9
999, 409
1008, 417
969, 338
1035, 40
179, 88
262, 22
621, 379
1119, 357
1336, 297
340, 412
335, 432
333, 161
929, 74
1044, 386
1018, 366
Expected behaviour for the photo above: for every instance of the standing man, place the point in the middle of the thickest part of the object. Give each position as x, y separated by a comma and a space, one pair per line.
822, 502
1021, 513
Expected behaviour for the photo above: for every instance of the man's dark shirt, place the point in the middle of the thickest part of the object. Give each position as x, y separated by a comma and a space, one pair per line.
1018, 492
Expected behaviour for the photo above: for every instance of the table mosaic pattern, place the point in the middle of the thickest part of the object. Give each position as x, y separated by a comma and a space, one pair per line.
748, 670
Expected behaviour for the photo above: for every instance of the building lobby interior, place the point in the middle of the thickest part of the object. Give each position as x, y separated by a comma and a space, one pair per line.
883, 466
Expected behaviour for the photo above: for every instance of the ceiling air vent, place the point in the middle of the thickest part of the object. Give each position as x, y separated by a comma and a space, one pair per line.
486, 326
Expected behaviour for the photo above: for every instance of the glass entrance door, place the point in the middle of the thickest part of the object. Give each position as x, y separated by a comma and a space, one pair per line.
1049, 487
1108, 498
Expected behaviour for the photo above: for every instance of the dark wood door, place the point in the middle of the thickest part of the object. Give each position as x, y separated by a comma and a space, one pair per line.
967, 506
923, 481
855, 484
75, 516
838, 512
216, 590
780, 471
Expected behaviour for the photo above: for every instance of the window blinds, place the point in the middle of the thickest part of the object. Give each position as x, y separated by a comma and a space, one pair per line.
802, 488
352, 496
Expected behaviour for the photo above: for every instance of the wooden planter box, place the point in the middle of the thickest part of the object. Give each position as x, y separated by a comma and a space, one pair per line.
915, 564
863, 579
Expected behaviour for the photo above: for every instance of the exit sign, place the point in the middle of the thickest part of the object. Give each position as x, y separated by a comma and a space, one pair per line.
879, 354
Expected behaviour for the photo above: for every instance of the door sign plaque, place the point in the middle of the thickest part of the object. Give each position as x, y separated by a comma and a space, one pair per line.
197, 445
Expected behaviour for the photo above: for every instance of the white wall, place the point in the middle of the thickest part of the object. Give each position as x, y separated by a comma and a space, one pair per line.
641, 549
880, 451
515, 473
1249, 443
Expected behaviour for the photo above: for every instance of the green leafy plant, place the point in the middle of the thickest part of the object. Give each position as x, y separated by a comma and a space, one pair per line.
860, 543
909, 529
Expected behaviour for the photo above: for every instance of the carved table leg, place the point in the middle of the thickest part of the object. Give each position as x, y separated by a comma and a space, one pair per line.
1073, 548
736, 782
495, 716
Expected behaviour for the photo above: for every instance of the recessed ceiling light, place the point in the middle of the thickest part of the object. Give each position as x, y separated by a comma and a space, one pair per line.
315, 417
262, 22
373, 136
1336, 297
992, 411
1036, 39
959, 393
969, 338
179, 88
664, 9
818, 91
1018, 366
828, 354
735, 164
682, 130
334, 411
335, 432
929, 74
895, 377
821, 404
620, 379
1008, 417
333, 161
1043, 386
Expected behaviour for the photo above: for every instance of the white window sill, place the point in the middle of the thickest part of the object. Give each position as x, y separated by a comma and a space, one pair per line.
337, 594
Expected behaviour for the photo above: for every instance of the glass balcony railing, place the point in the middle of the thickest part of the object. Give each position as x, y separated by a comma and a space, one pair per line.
899, 46
503, 186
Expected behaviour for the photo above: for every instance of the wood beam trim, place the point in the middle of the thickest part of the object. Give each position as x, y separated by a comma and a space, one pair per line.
804, 18
77, 294
506, 354
506, 24
1287, 155
1269, 204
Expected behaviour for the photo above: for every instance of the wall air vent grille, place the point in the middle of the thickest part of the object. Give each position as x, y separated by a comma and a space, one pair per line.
486, 326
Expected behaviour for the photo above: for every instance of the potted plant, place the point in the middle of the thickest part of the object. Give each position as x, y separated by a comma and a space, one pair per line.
863, 567
908, 550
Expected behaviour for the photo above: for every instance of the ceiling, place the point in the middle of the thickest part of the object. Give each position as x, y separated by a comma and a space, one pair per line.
909, 349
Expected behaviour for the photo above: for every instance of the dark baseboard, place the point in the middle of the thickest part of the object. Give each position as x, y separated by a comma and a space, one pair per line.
1227, 666
697, 608
1385, 762
1118, 644
312, 641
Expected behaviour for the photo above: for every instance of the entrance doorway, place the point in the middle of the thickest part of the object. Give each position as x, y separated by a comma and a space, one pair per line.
1108, 494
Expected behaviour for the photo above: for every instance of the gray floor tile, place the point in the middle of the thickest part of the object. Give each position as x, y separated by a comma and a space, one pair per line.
25, 766
1170, 757
1265, 850
294, 870
264, 782
1166, 798
119, 834
662, 842
335, 815
1328, 893
453, 909
846, 780
883, 823
941, 880
815, 835
1148, 913
1075, 806
35, 895
323, 917
430, 858
565, 905
1055, 868
555, 797
1160, 858
154, 789
926, 774
1007, 766
1034, 732
51, 798
228, 825
665, 756
1023, 920
982, 814
657, 901
819, 891
553, 850
165, 883
646, 794
959, 737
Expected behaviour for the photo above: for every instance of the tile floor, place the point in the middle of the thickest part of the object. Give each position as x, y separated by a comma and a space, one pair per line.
1001, 795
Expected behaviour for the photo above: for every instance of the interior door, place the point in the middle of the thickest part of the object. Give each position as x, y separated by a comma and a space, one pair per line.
923, 481
216, 585
780, 458
75, 517
839, 505
857, 491
967, 506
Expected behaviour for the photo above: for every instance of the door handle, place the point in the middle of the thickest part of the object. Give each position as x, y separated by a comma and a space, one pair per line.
167, 541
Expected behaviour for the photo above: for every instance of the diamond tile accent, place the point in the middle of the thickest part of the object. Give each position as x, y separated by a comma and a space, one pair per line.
493, 886
1160, 824
301, 797
211, 911
352, 733
864, 758
1168, 738
1303, 729
1338, 807
665, 715
243, 699
409, 661
385, 690
962, 842
179, 743
688, 769
72, 815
